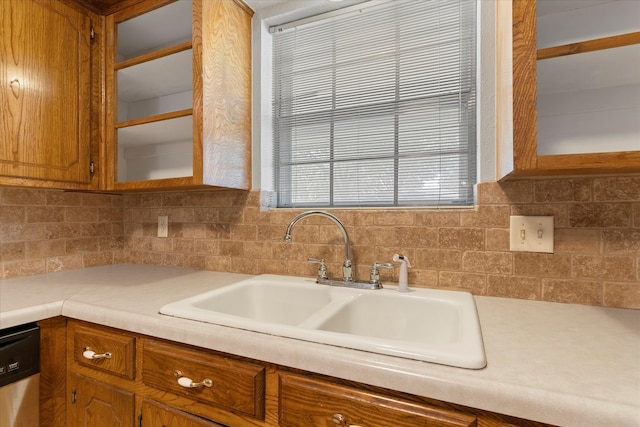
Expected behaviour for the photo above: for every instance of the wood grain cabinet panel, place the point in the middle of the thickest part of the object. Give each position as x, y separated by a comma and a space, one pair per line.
94, 404
53, 371
114, 351
236, 385
155, 414
311, 402
45, 92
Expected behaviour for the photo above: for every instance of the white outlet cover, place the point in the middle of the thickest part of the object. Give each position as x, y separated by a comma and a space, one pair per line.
163, 226
531, 234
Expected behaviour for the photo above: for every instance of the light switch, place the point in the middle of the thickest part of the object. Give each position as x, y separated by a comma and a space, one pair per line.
531, 234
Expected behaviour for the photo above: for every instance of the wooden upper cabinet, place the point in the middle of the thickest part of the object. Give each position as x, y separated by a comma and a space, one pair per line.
178, 81
45, 94
575, 89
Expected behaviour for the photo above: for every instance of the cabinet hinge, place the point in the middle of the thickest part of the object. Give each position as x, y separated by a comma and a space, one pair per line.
92, 168
73, 396
92, 33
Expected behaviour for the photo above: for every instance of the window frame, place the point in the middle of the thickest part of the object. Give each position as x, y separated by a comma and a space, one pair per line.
493, 39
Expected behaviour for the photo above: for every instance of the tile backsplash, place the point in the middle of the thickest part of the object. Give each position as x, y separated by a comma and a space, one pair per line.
46, 230
596, 259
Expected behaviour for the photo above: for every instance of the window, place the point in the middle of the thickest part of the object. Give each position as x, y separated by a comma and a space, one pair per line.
376, 106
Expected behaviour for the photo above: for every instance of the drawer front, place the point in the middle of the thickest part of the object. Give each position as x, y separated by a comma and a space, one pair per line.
158, 414
309, 402
104, 350
227, 383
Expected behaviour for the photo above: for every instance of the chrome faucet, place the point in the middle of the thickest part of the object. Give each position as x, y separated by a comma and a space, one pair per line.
347, 274
347, 269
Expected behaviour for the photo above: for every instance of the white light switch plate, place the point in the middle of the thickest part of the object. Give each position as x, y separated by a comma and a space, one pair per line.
531, 234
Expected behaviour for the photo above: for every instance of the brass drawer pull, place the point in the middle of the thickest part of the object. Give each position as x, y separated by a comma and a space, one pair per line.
92, 355
341, 420
188, 382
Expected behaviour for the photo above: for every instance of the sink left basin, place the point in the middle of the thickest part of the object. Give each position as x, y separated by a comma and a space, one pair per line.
254, 301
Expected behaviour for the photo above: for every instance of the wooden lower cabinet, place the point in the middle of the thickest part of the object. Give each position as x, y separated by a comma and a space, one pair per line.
218, 381
96, 404
117, 378
100, 349
53, 372
309, 402
148, 382
154, 414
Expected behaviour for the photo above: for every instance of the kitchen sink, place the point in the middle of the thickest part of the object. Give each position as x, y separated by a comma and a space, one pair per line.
431, 325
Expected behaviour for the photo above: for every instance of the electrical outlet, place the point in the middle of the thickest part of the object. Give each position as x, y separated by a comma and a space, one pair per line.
163, 226
531, 234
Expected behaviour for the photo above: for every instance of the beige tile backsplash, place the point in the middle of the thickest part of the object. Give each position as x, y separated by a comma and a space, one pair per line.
46, 230
596, 259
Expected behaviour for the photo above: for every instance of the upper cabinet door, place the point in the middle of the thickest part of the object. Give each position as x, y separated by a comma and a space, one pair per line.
576, 87
178, 87
45, 94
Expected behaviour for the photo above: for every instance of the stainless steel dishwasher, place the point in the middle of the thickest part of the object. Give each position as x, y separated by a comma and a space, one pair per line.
20, 376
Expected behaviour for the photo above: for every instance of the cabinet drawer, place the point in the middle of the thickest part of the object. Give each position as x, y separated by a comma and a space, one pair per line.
104, 350
305, 402
220, 381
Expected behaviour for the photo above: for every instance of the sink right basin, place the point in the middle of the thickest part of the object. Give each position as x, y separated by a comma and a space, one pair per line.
432, 325
398, 317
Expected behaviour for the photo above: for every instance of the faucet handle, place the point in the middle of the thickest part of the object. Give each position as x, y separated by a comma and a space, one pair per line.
322, 269
381, 265
374, 275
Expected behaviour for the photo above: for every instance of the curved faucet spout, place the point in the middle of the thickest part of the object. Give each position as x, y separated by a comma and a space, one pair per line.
346, 266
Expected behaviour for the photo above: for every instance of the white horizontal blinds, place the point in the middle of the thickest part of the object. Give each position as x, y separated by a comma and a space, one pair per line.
377, 108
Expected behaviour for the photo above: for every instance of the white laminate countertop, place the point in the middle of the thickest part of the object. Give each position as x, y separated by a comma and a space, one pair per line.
562, 364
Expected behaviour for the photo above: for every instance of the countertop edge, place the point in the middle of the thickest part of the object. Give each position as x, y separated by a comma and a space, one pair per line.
31, 314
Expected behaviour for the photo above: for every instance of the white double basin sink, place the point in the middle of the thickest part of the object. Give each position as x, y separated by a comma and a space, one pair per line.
431, 325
